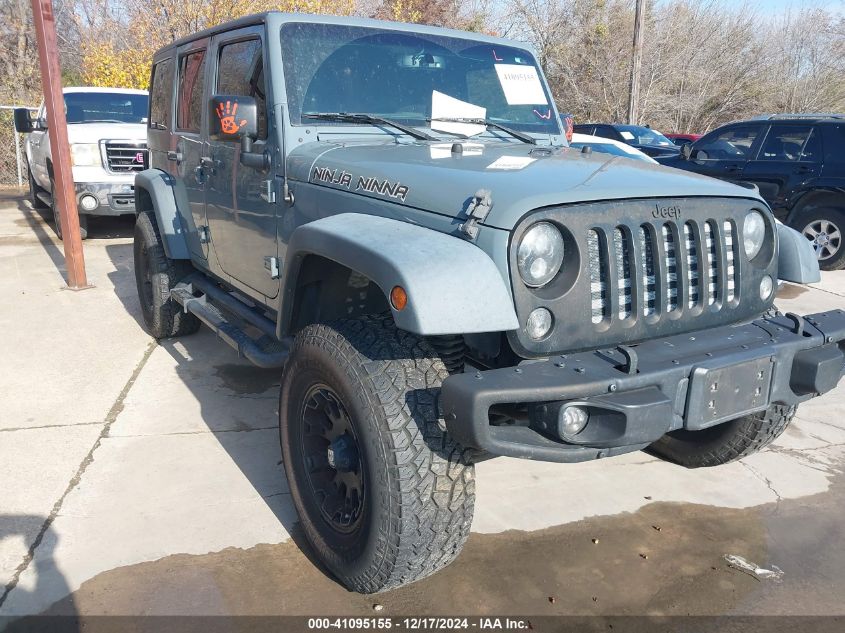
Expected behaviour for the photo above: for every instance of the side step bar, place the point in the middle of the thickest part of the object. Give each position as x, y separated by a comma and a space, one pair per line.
275, 356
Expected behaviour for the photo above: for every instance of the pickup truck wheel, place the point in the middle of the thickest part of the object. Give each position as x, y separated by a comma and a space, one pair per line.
384, 496
54, 205
726, 442
155, 276
825, 228
34, 190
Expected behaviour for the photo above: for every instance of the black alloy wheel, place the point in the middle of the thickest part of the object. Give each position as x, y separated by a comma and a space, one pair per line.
331, 454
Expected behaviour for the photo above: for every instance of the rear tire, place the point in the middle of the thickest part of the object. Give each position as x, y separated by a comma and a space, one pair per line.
54, 205
825, 228
155, 276
725, 442
397, 506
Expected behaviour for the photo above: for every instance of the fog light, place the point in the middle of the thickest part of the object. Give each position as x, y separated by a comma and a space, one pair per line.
539, 323
88, 202
572, 421
766, 286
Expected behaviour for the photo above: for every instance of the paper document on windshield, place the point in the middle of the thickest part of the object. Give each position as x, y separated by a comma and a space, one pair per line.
521, 84
445, 107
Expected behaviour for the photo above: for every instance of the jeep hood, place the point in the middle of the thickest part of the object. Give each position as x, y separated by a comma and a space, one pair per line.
96, 132
520, 177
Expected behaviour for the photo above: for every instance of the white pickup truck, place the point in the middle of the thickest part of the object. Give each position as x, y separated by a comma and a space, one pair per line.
107, 132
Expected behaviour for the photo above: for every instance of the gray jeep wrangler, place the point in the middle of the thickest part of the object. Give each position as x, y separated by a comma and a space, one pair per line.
391, 215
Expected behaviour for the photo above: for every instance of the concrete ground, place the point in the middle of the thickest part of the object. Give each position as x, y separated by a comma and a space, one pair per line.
145, 478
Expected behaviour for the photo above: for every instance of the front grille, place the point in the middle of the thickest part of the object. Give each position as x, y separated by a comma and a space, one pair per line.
123, 157
640, 269
653, 272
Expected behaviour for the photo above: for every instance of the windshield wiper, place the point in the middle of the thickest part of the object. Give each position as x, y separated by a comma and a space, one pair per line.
352, 117
488, 123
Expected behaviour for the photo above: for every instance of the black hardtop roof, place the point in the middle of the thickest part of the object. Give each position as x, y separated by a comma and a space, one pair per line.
281, 16
247, 20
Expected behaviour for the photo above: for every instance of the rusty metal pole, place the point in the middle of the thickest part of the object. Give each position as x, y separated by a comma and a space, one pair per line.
63, 195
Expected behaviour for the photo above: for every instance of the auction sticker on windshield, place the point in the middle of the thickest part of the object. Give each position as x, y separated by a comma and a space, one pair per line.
521, 84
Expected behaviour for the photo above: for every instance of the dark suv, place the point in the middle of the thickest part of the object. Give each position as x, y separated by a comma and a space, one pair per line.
798, 163
648, 141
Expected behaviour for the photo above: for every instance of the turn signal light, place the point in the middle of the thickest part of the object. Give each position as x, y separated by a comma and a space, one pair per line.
398, 298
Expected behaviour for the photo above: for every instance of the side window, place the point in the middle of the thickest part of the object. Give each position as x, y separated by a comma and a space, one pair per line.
189, 101
240, 71
160, 95
732, 144
791, 143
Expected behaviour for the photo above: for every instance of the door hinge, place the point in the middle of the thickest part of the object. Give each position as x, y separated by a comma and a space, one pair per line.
205, 234
272, 265
268, 191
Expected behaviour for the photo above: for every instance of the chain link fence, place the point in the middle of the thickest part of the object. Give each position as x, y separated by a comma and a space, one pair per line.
12, 157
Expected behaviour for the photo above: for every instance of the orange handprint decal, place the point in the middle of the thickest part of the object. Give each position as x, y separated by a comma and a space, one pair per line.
226, 113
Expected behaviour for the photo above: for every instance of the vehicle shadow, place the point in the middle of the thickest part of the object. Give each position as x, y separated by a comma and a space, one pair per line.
236, 399
238, 403
40, 222
234, 395
17, 601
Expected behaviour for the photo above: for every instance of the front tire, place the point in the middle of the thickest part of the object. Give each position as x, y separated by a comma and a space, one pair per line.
725, 442
384, 495
155, 276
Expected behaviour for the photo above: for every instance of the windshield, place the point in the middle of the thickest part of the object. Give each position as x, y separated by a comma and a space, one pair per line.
332, 68
111, 107
643, 135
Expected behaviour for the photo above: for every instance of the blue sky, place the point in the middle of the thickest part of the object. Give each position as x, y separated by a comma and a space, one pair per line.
782, 5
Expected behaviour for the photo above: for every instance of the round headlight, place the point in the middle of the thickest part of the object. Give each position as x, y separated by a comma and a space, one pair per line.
753, 233
540, 254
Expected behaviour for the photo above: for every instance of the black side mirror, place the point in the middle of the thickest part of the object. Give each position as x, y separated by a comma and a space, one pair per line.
686, 150
233, 118
23, 122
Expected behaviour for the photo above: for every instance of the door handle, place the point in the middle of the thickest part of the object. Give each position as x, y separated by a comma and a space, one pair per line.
732, 168
174, 156
803, 169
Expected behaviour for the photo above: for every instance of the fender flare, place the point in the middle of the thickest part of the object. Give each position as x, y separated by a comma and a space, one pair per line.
453, 286
799, 199
797, 262
158, 185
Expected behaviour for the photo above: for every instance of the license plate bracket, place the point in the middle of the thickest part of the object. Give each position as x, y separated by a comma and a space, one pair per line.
718, 394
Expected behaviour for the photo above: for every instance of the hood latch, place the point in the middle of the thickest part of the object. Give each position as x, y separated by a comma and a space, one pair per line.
477, 210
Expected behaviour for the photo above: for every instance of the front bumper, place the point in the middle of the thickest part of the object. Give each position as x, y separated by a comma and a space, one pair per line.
112, 198
636, 395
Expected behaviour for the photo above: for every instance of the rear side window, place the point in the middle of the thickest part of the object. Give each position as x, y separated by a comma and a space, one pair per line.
161, 91
791, 143
189, 102
732, 144
240, 71
608, 132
